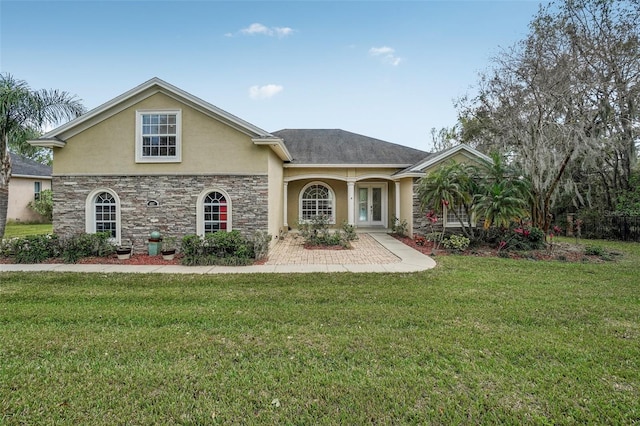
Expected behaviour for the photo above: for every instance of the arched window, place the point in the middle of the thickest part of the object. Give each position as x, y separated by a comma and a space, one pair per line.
105, 206
214, 212
102, 211
317, 199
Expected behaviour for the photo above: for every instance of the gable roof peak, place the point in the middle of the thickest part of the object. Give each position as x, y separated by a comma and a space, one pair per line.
135, 95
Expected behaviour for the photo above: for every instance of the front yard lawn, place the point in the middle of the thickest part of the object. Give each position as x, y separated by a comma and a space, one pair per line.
14, 229
476, 340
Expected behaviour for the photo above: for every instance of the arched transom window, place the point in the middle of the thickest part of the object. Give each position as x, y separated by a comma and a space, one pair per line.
317, 199
215, 212
105, 213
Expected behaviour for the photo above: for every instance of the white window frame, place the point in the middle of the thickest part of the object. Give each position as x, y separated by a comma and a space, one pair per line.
158, 159
332, 194
455, 223
37, 189
200, 209
90, 213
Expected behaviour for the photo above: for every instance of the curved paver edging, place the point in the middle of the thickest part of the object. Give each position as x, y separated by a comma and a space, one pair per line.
411, 260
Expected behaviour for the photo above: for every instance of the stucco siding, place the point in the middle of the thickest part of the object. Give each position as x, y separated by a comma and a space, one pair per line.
208, 146
21, 193
276, 200
293, 200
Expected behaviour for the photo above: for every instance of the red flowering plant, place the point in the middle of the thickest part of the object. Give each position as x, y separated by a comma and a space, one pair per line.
432, 218
519, 236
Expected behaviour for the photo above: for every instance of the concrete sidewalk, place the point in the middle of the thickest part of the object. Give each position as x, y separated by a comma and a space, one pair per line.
410, 260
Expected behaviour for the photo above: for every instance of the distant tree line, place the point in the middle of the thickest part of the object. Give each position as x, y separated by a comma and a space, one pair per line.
562, 107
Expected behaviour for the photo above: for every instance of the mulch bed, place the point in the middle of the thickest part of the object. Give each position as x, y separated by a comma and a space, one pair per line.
560, 251
135, 259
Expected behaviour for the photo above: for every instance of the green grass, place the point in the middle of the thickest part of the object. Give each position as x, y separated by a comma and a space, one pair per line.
474, 341
14, 229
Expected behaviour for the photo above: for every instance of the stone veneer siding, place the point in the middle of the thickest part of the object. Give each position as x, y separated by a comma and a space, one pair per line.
422, 225
420, 221
177, 197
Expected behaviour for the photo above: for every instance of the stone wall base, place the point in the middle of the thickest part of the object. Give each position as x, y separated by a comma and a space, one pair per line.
176, 197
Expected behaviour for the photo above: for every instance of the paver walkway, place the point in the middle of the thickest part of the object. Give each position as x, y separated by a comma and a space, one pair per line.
365, 251
376, 252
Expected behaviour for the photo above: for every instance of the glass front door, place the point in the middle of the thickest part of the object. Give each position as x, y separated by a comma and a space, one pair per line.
371, 204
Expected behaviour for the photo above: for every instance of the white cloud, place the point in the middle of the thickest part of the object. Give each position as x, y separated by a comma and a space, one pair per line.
283, 31
386, 54
260, 29
256, 29
264, 92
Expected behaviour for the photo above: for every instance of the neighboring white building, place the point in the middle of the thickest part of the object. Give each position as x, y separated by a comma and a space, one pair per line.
28, 179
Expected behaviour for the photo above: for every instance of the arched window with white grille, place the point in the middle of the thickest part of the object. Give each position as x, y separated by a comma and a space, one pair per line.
213, 212
317, 199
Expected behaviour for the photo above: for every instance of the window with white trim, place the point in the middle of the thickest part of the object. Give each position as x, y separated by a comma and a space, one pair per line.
105, 213
317, 199
452, 221
37, 187
158, 136
102, 210
216, 212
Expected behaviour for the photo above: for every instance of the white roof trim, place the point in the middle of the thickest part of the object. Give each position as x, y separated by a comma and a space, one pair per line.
30, 177
355, 165
419, 167
277, 145
47, 143
408, 174
171, 90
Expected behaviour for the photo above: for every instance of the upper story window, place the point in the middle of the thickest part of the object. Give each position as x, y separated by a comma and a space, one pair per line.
158, 136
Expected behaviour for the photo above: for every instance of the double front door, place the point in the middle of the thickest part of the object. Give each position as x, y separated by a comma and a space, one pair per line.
371, 208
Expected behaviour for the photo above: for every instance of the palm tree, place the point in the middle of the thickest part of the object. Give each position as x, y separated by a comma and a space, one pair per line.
505, 195
25, 110
451, 186
500, 205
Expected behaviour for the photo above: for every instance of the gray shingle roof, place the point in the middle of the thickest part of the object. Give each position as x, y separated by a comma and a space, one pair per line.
24, 166
335, 146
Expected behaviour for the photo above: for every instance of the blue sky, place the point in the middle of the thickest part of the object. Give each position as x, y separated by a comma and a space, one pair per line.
386, 69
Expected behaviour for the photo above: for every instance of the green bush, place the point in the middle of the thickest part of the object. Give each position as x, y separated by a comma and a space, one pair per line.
261, 240
593, 250
86, 245
400, 227
43, 205
316, 232
224, 248
349, 231
32, 248
518, 238
456, 242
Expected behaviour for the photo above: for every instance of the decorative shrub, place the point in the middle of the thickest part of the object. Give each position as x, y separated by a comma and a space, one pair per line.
43, 205
349, 231
316, 232
400, 227
261, 240
85, 245
224, 248
32, 248
592, 250
456, 242
519, 238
